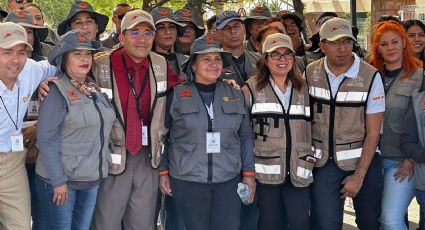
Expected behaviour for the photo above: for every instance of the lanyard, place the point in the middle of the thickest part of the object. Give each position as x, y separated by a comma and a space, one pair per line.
15, 123
133, 88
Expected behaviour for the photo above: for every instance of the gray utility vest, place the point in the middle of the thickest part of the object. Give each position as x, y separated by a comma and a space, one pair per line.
282, 138
85, 133
338, 126
418, 99
396, 105
250, 67
188, 159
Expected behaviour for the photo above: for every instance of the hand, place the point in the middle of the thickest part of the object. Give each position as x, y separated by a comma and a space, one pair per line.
60, 196
232, 82
250, 181
404, 170
43, 88
164, 185
31, 156
30, 135
352, 185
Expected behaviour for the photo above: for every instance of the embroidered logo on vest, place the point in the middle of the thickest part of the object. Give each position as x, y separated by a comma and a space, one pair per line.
185, 92
157, 69
228, 99
73, 96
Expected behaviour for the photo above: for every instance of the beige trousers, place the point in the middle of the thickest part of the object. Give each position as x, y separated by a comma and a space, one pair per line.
15, 205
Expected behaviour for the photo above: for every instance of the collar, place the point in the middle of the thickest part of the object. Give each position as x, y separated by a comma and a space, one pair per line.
132, 64
240, 59
352, 72
276, 88
4, 89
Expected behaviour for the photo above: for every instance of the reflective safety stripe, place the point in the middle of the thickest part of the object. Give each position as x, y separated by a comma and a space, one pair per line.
267, 107
299, 110
267, 169
303, 172
320, 92
351, 96
348, 154
161, 86
317, 152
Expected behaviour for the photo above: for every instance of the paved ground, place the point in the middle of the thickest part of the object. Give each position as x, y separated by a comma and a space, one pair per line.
349, 216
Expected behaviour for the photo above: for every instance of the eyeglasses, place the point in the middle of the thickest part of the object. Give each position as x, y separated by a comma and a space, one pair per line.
277, 56
147, 34
22, 1
337, 44
120, 16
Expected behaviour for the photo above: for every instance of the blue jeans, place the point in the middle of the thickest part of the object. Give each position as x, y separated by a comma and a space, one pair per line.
76, 214
420, 196
396, 197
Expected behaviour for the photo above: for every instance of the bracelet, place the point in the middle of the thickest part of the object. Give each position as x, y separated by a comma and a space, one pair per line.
249, 174
163, 173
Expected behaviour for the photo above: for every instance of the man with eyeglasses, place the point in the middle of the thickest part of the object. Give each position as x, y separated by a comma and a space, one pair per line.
348, 102
15, 4
137, 81
117, 15
231, 33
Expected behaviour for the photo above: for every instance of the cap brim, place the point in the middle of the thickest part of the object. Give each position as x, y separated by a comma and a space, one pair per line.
170, 20
60, 50
10, 44
223, 24
338, 37
137, 23
101, 20
257, 17
277, 47
40, 30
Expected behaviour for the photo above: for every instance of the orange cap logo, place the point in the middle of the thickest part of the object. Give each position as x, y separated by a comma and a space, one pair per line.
259, 10
81, 37
84, 5
20, 14
210, 40
186, 13
163, 11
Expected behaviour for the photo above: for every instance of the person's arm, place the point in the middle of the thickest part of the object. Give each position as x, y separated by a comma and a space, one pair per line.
374, 114
410, 144
164, 179
43, 70
51, 114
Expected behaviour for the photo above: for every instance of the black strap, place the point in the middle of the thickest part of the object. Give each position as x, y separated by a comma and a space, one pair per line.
133, 88
15, 123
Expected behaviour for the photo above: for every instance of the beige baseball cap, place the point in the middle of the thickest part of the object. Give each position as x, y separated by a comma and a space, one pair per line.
12, 34
336, 28
135, 17
275, 41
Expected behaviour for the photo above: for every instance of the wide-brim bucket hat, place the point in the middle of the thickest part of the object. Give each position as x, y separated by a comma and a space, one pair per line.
25, 19
71, 41
83, 7
186, 16
165, 14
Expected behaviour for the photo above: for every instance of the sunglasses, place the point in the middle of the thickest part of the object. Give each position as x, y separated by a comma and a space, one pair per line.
120, 16
22, 1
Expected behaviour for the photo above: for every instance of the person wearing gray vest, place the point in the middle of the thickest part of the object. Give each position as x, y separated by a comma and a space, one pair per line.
209, 143
393, 55
75, 123
231, 33
165, 43
412, 143
348, 100
280, 113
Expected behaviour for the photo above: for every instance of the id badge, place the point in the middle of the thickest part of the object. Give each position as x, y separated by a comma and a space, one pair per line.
17, 141
116, 159
33, 108
145, 135
213, 142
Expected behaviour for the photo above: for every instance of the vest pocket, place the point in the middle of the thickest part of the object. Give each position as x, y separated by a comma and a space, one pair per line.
402, 96
234, 113
117, 146
73, 157
188, 160
348, 155
302, 173
268, 164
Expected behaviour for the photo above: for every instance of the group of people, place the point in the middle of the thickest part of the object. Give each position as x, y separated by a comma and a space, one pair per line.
162, 119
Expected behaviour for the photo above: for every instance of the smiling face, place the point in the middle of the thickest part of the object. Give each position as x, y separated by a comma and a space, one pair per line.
283, 65
417, 37
137, 48
207, 67
166, 35
391, 47
78, 64
12, 62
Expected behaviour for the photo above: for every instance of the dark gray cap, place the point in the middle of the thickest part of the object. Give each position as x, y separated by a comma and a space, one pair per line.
225, 17
206, 44
185, 15
25, 19
259, 13
71, 41
80, 7
164, 14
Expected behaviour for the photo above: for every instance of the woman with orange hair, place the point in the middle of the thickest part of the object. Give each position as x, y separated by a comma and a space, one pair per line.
393, 56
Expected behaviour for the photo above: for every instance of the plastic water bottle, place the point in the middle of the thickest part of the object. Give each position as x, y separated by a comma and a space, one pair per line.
243, 192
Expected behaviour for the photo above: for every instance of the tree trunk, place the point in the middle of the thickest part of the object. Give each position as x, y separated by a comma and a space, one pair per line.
196, 6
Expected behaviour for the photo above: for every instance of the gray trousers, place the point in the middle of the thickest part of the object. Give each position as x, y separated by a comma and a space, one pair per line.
129, 197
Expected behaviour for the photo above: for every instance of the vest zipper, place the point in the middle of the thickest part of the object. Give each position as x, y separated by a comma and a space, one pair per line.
102, 138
